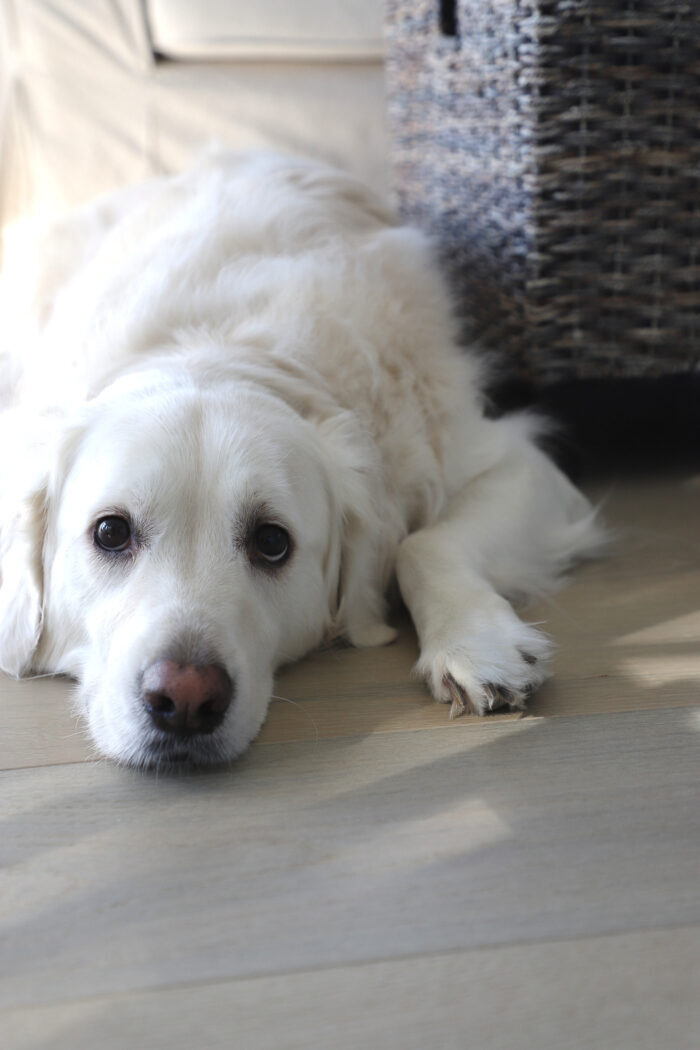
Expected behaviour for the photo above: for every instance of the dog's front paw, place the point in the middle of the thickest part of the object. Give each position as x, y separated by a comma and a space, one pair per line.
488, 660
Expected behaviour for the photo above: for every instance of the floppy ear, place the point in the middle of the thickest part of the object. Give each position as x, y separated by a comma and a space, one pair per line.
365, 536
21, 584
34, 451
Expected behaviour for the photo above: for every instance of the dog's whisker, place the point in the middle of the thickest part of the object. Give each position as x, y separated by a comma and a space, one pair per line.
72, 735
295, 703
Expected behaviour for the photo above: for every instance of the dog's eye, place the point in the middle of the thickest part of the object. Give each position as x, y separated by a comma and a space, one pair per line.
272, 543
112, 533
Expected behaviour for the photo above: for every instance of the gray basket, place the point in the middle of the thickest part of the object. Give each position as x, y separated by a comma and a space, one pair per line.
554, 150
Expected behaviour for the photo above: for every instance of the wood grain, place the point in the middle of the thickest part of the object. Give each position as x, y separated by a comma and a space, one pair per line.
602, 992
312, 855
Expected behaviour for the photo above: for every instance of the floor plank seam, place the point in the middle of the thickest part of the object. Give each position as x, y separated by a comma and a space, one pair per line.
487, 723
223, 981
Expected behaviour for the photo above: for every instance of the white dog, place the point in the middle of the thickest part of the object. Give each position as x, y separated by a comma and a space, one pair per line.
236, 410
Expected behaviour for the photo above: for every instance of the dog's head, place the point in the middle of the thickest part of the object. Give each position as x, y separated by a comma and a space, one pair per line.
174, 546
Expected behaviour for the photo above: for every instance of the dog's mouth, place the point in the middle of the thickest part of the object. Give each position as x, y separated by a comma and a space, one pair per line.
167, 754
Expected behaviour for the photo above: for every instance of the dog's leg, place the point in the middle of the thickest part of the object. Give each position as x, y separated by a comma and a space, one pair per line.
508, 534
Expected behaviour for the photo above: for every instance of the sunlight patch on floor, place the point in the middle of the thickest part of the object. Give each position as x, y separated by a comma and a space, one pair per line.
677, 629
465, 828
658, 670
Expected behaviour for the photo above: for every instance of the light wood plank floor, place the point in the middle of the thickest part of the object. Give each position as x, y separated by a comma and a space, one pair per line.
373, 875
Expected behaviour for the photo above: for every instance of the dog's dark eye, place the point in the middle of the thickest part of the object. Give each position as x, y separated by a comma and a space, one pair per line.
113, 533
272, 543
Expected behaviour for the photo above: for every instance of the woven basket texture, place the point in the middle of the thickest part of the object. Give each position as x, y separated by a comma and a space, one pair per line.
553, 148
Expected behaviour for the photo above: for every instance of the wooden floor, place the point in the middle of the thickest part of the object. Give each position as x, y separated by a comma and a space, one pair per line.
372, 875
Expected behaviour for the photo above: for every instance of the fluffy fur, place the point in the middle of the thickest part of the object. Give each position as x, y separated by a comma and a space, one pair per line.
258, 340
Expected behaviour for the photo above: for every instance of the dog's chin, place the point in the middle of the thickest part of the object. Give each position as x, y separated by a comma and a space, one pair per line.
147, 748
164, 754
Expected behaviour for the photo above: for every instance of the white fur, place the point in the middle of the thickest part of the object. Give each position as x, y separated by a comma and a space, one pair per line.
258, 332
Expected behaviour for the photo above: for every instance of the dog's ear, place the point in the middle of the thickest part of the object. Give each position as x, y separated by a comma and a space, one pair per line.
21, 583
34, 456
365, 537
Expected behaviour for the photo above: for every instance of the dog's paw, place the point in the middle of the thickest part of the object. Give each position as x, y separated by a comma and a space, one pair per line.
488, 660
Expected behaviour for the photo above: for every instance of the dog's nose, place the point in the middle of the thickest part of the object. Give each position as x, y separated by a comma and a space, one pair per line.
186, 699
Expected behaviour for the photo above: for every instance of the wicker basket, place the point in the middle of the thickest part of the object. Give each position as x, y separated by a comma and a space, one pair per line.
554, 149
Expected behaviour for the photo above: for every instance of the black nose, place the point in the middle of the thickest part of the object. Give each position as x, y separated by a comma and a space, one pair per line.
186, 699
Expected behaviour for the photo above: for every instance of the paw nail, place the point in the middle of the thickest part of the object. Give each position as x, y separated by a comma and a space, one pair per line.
460, 700
457, 709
